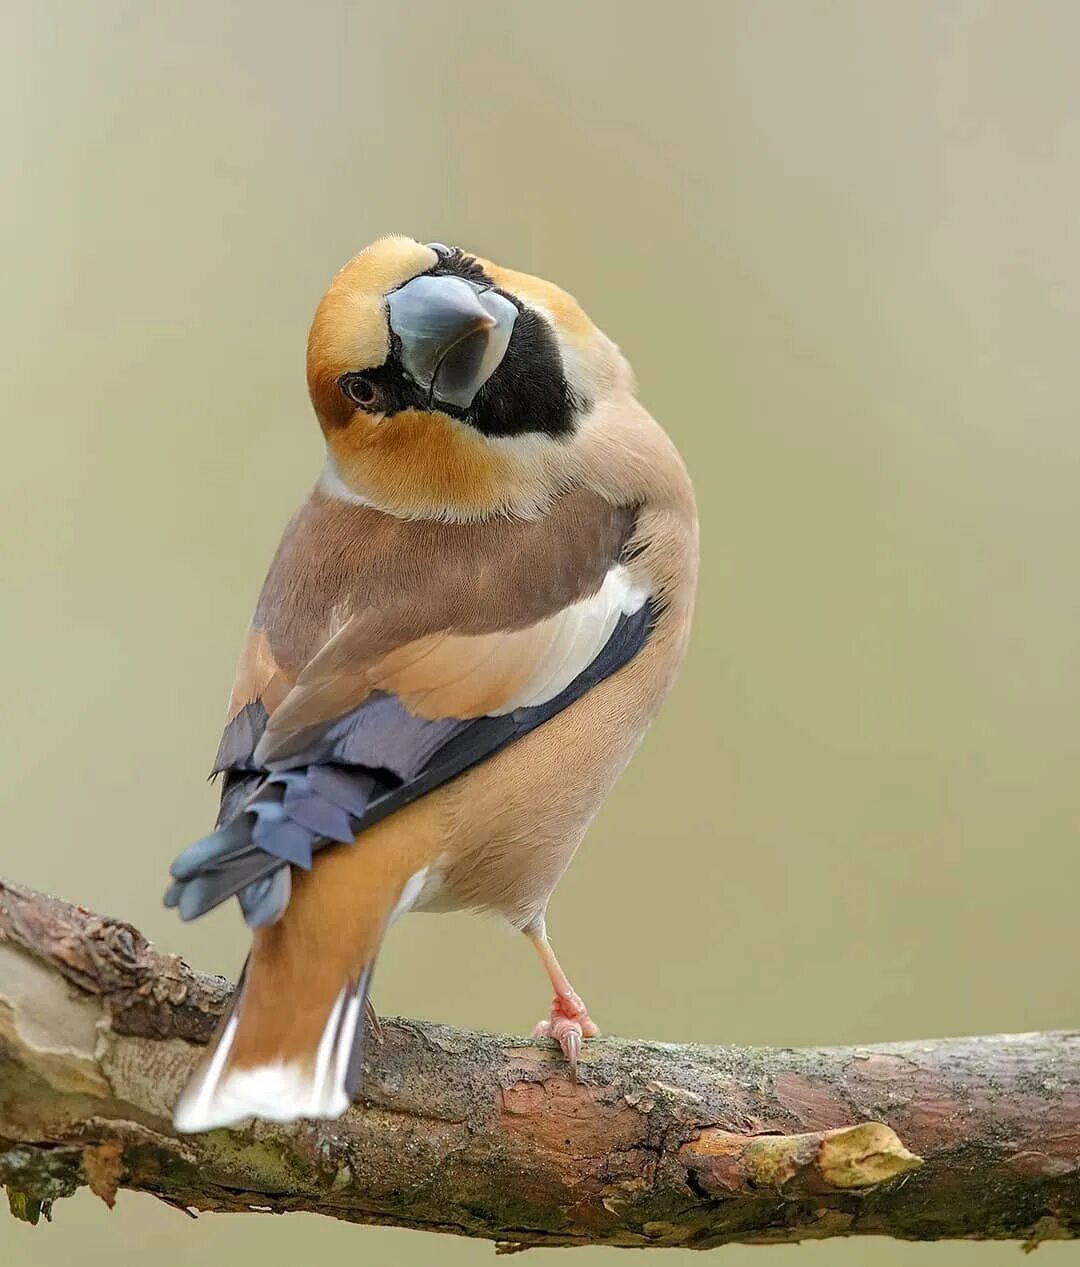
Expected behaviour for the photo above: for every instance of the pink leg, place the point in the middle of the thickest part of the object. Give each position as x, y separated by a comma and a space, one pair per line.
569, 1021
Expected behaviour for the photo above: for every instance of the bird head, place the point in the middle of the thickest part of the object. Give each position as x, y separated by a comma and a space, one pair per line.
447, 386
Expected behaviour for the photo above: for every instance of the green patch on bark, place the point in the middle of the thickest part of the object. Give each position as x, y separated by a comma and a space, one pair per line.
36, 1177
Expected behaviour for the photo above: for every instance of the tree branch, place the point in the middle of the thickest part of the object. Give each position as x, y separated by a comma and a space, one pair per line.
486, 1136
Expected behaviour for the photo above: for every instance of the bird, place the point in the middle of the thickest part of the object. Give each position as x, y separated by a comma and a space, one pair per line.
465, 632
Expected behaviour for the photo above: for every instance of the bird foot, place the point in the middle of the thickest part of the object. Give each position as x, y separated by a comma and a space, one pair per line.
569, 1024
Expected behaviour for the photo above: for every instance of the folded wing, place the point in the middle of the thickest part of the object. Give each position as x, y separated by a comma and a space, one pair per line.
374, 720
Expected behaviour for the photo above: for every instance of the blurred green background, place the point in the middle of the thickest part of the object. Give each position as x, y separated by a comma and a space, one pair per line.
839, 243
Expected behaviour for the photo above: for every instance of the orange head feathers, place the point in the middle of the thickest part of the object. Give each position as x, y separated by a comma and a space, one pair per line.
446, 385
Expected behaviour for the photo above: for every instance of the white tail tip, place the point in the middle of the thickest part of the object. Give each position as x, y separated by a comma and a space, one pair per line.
221, 1095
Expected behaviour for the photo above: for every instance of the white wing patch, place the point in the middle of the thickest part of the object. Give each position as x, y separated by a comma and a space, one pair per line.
581, 630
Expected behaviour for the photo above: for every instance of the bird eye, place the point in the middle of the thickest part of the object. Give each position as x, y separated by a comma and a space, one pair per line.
360, 390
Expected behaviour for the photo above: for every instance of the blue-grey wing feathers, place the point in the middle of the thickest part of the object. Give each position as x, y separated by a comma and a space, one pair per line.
344, 776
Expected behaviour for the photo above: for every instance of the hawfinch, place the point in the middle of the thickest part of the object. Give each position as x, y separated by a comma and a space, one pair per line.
463, 636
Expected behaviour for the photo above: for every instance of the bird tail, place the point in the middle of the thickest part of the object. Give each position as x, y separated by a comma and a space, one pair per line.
290, 1045
300, 1079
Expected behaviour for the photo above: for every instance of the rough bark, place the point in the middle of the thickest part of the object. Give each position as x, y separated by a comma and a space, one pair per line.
486, 1136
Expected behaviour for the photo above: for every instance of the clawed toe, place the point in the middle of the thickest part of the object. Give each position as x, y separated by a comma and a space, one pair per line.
570, 1042
569, 1025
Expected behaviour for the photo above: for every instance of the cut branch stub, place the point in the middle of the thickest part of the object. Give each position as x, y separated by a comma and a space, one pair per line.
848, 1159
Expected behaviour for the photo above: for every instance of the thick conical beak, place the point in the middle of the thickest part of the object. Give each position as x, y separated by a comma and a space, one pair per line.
453, 334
